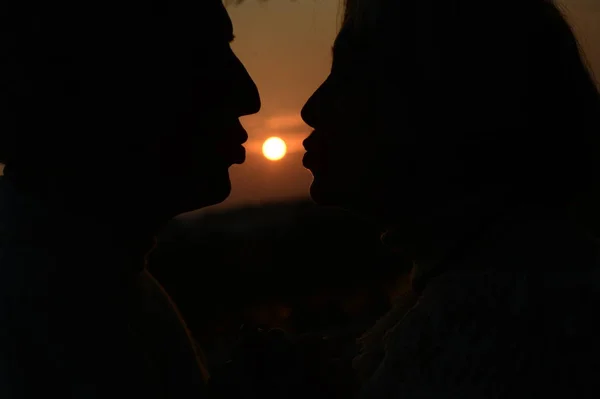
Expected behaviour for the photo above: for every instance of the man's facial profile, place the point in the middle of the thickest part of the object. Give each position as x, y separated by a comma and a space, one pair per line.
139, 105
216, 91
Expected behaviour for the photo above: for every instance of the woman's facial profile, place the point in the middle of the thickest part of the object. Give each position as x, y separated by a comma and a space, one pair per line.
342, 149
363, 145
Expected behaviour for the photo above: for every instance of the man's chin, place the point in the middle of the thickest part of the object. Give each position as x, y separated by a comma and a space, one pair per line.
216, 196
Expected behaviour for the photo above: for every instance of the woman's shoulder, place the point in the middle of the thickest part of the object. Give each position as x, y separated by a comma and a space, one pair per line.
480, 333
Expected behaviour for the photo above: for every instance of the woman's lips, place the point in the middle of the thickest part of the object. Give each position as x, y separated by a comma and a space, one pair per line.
310, 162
232, 154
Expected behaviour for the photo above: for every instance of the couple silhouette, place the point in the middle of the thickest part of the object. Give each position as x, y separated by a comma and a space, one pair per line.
466, 129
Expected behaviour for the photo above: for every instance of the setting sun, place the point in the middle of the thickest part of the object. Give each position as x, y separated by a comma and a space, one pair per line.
274, 148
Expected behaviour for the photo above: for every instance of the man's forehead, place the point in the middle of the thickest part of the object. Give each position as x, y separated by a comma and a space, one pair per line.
215, 13
207, 16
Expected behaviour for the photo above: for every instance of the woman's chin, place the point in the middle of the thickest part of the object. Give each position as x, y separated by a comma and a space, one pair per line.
322, 194
328, 193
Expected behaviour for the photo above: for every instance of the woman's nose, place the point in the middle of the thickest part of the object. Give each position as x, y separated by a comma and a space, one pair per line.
309, 112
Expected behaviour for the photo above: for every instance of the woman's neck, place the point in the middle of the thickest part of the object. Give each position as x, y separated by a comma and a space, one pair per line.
477, 234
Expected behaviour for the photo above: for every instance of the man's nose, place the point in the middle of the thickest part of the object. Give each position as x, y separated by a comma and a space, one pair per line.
245, 92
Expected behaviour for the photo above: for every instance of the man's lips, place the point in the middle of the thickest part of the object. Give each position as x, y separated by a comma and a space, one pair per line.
231, 153
240, 132
238, 155
233, 150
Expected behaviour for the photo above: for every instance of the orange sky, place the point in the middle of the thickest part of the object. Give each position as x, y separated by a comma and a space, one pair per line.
285, 45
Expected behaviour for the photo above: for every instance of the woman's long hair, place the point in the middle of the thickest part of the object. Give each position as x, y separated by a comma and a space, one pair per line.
511, 82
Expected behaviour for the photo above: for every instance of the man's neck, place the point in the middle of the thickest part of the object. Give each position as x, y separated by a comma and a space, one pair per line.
89, 223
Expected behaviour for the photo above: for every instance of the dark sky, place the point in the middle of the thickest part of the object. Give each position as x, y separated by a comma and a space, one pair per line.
285, 45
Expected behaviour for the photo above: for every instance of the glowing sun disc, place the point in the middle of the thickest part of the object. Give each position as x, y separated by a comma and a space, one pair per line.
274, 148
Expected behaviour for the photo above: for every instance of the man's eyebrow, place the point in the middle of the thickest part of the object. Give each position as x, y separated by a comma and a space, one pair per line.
231, 38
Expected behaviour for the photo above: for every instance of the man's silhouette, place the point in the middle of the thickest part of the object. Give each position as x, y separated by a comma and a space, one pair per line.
115, 118
467, 129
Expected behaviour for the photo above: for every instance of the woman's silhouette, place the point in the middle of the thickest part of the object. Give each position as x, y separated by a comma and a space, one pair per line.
467, 129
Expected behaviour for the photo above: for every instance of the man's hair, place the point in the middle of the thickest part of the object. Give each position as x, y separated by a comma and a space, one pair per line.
43, 48
70, 68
